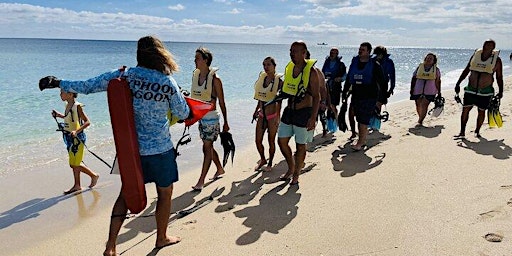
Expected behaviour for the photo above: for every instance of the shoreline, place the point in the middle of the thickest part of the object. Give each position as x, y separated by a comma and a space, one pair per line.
413, 192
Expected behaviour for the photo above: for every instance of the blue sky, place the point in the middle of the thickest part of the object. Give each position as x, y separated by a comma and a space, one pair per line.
434, 23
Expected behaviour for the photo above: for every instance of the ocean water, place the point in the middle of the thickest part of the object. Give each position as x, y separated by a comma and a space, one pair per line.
29, 139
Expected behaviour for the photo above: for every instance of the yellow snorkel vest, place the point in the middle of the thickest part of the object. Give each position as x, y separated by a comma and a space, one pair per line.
72, 120
201, 92
268, 93
477, 64
294, 86
426, 75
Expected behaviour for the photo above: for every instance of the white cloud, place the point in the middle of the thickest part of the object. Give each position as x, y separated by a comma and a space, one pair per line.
178, 7
229, 2
295, 17
434, 11
235, 11
16, 13
438, 24
328, 3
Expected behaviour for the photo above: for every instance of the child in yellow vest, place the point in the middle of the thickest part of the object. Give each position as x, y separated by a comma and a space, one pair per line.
75, 121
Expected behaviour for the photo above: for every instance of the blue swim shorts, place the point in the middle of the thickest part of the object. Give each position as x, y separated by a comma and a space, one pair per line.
302, 135
160, 169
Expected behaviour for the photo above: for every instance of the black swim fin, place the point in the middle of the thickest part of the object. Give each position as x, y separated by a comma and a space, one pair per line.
279, 97
342, 123
226, 140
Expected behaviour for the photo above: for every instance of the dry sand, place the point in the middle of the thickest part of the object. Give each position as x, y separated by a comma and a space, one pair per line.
414, 191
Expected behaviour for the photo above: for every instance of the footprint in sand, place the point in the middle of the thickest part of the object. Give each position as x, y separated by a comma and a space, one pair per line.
189, 224
491, 214
494, 237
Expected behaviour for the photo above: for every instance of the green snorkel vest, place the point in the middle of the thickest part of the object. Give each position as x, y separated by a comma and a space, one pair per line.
297, 86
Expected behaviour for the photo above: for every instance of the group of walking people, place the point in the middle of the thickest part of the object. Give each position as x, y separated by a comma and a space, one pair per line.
155, 65
307, 90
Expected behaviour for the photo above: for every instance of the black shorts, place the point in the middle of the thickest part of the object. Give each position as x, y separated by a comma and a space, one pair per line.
430, 98
383, 98
334, 93
364, 110
482, 102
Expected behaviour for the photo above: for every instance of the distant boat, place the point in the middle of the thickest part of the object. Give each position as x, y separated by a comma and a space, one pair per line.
321, 43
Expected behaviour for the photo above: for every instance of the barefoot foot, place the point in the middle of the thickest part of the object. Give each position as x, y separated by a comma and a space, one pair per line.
197, 188
94, 180
261, 163
218, 174
286, 176
167, 242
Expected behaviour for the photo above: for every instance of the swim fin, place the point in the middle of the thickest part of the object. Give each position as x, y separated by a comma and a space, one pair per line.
279, 97
342, 122
375, 123
490, 118
497, 118
226, 140
332, 125
493, 113
436, 112
438, 106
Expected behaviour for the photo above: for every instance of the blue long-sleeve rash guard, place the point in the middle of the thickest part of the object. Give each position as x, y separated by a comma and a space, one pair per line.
154, 93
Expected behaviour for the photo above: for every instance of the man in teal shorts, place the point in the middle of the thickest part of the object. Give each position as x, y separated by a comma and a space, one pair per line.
299, 117
481, 68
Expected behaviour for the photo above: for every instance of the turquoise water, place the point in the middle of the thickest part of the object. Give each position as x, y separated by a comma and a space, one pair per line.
29, 138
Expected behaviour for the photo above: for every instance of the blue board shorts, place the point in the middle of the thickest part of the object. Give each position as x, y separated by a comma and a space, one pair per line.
160, 169
75, 147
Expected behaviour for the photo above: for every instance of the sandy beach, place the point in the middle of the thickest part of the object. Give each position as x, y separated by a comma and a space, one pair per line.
414, 191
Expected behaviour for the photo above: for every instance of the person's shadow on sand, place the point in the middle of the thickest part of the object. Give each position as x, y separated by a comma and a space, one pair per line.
244, 191
376, 137
320, 142
496, 148
145, 221
351, 163
274, 212
32, 208
241, 193
427, 132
